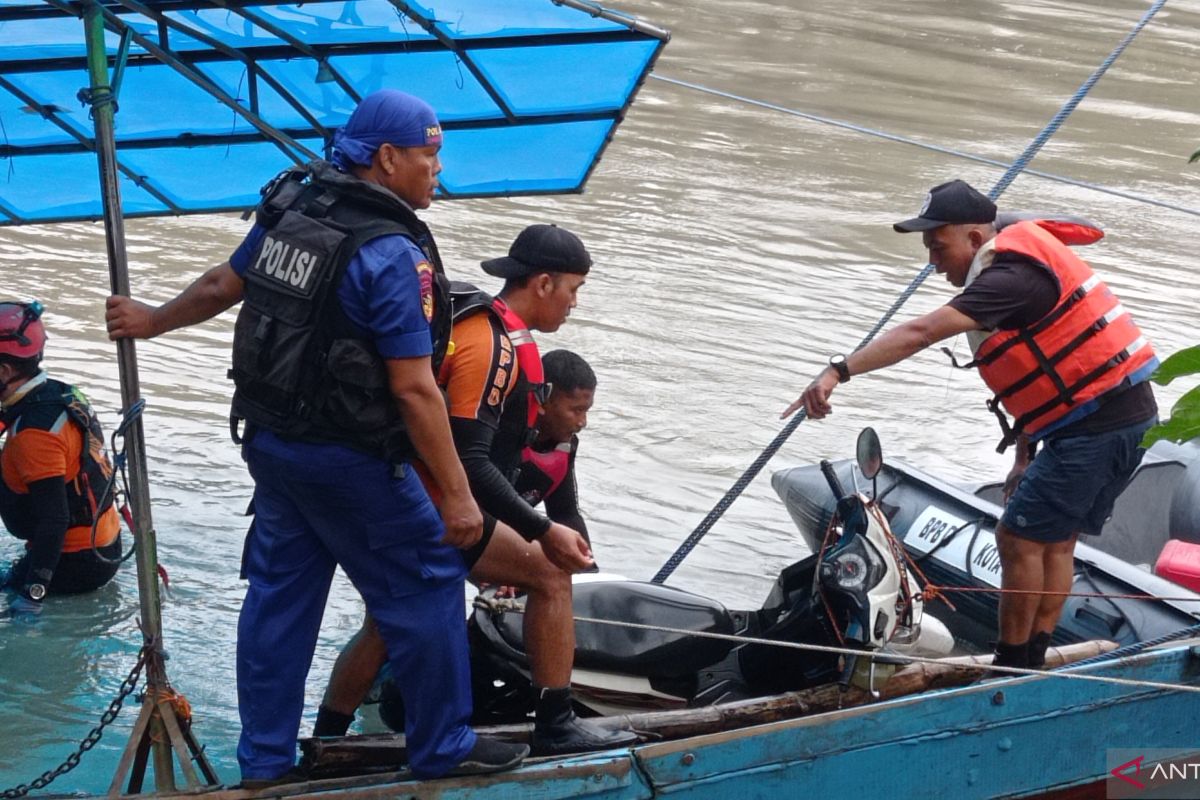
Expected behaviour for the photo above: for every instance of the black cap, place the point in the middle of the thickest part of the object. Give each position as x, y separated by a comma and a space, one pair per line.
953, 203
541, 248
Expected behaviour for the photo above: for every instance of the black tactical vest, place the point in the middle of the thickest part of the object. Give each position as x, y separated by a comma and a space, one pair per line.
91, 493
300, 367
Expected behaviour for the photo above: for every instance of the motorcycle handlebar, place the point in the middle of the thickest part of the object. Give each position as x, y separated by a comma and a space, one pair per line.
831, 476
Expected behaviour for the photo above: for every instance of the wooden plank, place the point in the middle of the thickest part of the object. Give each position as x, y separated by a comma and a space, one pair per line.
131, 749
175, 735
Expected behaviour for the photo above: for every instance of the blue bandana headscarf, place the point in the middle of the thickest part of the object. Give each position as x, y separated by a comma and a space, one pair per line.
387, 116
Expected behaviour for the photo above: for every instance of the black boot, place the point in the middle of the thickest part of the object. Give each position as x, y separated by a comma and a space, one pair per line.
557, 730
1037, 650
1010, 655
331, 723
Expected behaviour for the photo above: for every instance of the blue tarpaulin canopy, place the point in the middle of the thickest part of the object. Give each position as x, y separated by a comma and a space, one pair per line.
215, 96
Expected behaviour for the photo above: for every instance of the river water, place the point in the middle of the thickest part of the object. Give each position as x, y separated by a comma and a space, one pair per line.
736, 247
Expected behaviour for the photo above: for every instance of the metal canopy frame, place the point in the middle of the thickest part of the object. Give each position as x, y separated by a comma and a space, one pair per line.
173, 34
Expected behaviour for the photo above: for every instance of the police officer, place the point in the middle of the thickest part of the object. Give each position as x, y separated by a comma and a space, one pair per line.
342, 323
55, 479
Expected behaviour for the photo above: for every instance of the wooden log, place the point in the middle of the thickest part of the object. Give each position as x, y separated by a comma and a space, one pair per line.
380, 752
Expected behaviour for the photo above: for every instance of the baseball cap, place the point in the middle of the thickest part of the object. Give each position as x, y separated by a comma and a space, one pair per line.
541, 248
953, 203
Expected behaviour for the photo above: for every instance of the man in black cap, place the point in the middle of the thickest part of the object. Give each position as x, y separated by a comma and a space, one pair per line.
493, 381
1066, 361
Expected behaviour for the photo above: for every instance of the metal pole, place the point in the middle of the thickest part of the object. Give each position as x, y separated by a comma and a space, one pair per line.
103, 109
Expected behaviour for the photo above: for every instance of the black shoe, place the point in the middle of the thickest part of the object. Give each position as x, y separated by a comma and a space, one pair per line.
490, 755
570, 734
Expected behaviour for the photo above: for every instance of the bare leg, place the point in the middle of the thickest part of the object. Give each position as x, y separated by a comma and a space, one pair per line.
1022, 568
355, 669
548, 625
1058, 566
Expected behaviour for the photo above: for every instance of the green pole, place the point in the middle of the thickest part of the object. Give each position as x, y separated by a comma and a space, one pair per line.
139, 489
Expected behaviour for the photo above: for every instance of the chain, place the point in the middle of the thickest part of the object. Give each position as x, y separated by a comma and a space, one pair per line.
89, 741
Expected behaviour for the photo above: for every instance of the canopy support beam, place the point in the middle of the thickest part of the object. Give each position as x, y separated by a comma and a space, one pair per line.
159, 733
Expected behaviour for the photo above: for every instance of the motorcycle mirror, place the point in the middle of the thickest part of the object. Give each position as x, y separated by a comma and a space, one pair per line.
870, 453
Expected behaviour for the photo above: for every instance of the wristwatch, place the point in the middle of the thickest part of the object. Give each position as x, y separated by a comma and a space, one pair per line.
35, 591
839, 365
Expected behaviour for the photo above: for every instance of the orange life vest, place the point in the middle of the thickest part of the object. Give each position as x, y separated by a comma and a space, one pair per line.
1054, 372
529, 360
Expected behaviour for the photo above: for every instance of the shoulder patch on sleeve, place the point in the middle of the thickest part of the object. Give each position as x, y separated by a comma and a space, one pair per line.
425, 276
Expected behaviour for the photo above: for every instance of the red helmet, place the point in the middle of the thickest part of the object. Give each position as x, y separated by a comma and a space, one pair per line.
22, 334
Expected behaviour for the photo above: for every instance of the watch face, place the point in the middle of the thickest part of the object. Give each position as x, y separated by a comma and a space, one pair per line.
36, 591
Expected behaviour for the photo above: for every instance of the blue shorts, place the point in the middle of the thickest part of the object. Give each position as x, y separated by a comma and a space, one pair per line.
1073, 482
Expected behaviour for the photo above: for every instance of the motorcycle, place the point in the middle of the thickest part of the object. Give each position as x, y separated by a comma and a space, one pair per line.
644, 646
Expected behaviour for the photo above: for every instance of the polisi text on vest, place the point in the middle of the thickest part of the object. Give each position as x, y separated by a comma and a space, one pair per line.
285, 262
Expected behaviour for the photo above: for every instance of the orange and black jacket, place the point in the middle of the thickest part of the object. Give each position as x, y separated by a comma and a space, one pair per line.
54, 475
1057, 371
492, 379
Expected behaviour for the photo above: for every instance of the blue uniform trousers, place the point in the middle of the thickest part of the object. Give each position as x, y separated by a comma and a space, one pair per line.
318, 506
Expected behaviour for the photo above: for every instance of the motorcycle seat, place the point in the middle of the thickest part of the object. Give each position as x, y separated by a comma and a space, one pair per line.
639, 651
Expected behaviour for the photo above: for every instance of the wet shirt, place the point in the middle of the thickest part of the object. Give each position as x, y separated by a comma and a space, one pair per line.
1014, 292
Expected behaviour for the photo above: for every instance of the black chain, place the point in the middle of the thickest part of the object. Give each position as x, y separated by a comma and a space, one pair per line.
89, 741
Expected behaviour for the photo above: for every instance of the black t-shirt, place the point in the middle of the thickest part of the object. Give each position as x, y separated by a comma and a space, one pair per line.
1014, 292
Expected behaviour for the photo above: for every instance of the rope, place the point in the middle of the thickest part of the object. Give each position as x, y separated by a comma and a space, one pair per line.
1010, 174
119, 496
1095, 187
510, 605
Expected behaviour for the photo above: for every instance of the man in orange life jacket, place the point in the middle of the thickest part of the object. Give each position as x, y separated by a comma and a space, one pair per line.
54, 474
1062, 356
494, 383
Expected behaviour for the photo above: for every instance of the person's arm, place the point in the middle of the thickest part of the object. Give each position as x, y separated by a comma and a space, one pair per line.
562, 504
424, 413
49, 518
207, 296
1024, 455
473, 441
891, 348
566, 548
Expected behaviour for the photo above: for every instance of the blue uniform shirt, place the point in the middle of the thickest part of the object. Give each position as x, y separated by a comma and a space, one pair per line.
381, 294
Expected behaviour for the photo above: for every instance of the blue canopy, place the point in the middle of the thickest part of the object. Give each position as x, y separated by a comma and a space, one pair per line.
216, 96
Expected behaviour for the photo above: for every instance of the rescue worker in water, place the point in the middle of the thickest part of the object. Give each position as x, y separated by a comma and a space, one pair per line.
1062, 356
55, 478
